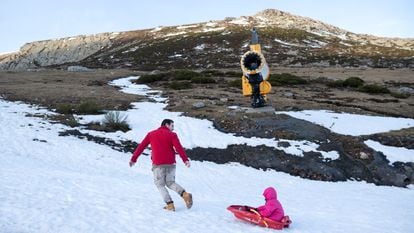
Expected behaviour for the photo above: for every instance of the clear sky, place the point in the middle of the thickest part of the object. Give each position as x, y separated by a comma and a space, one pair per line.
23, 21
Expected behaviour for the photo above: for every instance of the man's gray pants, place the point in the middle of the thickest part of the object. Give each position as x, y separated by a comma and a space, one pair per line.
164, 175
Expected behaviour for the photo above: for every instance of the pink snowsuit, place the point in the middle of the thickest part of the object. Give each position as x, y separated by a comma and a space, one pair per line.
272, 208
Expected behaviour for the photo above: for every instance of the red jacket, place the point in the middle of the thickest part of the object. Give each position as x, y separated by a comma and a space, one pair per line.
272, 209
163, 141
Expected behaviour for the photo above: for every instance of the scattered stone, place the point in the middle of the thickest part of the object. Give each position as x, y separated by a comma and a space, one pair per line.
283, 144
289, 94
406, 90
265, 109
155, 72
39, 140
199, 105
363, 155
79, 69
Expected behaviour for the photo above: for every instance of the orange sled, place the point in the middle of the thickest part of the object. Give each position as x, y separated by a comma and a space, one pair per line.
248, 214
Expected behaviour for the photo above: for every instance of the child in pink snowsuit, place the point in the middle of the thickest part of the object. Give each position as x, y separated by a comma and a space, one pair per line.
272, 208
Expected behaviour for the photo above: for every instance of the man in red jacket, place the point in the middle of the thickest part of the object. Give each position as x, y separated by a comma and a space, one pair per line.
163, 142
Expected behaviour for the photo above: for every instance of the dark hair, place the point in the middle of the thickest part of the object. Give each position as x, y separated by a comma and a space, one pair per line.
167, 122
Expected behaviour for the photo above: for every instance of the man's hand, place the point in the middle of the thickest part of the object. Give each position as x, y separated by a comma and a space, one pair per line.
131, 163
187, 163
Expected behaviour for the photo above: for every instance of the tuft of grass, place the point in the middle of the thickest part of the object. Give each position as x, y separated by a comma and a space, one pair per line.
114, 121
353, 82
374, 89
336, 83
71, 121
285, 79
150, 78
88, 107
64, 108
180, 85
184, 75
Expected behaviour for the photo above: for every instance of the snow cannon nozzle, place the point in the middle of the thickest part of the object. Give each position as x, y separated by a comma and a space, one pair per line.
255, 36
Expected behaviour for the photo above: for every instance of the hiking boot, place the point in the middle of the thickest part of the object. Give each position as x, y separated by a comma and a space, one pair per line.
188, 199
170, 206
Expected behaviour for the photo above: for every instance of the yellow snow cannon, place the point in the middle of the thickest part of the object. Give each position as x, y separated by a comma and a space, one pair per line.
255, 56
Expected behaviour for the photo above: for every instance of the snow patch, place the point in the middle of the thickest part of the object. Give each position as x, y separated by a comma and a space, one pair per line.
187, 26
211, 24
352, 124
286, 43
200, 47
315, 43
213, 29
175, 56
156, 29
346, 44
175, 34
393, 154
240, 21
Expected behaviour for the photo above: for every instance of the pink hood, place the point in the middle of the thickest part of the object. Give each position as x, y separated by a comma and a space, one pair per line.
270, 193
272, 208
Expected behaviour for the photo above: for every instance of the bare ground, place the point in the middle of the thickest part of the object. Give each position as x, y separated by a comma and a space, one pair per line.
52, 87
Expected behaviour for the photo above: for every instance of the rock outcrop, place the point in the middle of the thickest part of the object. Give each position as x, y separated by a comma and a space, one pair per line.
55, 52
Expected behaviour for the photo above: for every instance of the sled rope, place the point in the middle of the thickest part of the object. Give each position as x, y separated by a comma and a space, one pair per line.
261, 218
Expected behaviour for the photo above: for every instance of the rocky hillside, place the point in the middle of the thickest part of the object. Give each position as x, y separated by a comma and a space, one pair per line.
287, 40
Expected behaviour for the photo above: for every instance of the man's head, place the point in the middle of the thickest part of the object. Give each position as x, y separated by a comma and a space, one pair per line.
168, 123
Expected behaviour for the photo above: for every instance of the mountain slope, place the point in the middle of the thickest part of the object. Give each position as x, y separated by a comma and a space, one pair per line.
287, 40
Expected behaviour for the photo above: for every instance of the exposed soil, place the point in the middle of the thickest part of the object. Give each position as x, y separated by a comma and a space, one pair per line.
52, 87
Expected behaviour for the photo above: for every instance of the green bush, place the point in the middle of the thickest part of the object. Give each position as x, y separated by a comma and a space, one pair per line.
374, 89
353, 82
179, 85
202, 79
285, 79
184, 74
114, 121
64, 108
88, 107
236, 83
150, 78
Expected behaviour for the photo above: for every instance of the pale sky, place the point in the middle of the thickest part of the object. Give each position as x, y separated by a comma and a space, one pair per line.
23, 21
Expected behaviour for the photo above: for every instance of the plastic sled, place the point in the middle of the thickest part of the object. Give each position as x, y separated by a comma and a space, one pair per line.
248, 214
